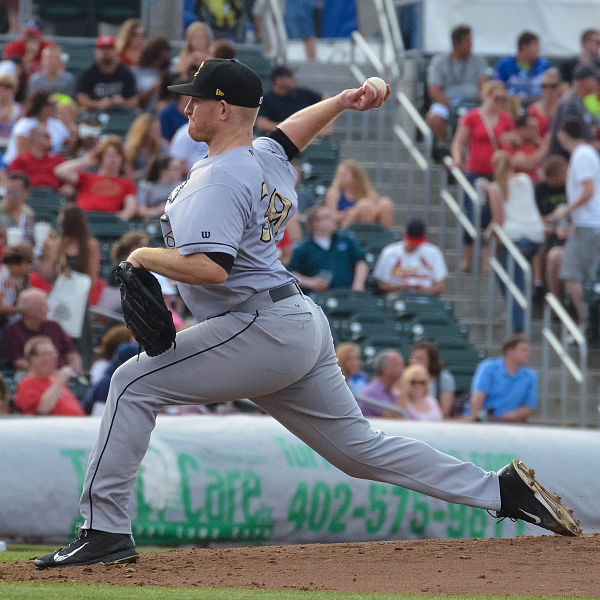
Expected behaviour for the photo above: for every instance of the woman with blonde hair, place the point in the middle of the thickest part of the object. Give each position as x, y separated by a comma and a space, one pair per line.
130, 42
143, 143
416, 400
482, 130
352, 198
544, 110
513, 207
198, 40
348, 355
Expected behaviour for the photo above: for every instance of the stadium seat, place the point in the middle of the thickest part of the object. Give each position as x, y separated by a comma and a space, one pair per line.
377, 343
346, 302
106, 225
62, 10
116, 11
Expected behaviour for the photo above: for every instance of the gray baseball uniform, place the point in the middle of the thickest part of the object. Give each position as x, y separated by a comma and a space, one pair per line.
259, 337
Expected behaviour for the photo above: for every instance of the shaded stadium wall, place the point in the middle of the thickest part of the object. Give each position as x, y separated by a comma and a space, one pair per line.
497, 23
211, 479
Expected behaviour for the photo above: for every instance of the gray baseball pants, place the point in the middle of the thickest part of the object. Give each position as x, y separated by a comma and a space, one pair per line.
281, 356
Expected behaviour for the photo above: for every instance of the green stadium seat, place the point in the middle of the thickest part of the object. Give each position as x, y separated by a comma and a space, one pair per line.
106, 225
62, 10
346, 302
116, 11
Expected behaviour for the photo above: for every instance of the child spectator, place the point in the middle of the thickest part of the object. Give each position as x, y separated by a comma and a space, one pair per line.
162, 177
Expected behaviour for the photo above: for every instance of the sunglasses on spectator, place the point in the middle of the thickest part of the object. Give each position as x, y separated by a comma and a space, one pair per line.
499, 98
549, 86
417, 382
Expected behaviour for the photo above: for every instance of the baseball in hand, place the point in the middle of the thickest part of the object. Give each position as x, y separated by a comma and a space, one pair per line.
375, 84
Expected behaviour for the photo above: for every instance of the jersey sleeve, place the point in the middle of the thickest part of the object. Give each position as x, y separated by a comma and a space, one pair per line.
283, 167
383, 266
214, 222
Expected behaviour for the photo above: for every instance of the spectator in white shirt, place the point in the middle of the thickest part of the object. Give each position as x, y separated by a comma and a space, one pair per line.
582, 250
413, 264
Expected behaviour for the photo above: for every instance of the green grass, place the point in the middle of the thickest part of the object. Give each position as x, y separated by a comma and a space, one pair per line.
72, 591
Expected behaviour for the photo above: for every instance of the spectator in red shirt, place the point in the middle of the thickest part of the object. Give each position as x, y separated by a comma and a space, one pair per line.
29, 47
483, 130
525, 146
106, 190
38, 162
33, 305
43, 391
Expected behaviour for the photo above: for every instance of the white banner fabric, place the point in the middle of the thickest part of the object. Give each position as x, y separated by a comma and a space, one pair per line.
245, 479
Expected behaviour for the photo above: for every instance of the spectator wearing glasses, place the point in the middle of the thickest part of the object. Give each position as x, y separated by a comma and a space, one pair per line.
522, 73
130, 42
40, 110
590, 52
44, 391
482, 130
544, 109
416, 399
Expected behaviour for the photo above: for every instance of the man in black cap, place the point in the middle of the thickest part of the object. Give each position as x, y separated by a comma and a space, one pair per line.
571, 106
284, 99
412, 265
257, 335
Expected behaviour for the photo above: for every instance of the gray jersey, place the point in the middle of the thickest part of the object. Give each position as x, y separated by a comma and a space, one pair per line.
236, 203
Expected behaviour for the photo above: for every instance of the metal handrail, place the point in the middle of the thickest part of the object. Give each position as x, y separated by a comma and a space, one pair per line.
577, 372
473, 230
358, 40
388, 47
523, 298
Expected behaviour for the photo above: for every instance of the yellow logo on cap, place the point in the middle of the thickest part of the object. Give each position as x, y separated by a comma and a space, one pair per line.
219, 92
198, 71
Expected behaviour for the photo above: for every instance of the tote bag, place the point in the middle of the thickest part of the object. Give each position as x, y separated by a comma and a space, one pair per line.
67, 301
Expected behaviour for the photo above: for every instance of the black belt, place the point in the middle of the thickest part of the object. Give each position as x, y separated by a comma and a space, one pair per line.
284, 291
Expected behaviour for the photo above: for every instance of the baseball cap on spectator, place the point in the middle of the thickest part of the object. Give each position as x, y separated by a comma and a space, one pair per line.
106, 41
281, 71
33, 28
584, 70
415, 233
224, 79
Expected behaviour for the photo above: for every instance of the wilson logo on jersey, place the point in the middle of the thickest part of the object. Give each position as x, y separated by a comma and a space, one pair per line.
205, 235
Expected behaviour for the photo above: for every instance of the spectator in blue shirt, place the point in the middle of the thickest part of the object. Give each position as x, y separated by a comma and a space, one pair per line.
328, 257
522, 74
505, 388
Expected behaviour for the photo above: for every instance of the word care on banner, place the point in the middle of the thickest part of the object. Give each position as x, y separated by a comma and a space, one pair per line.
246, 479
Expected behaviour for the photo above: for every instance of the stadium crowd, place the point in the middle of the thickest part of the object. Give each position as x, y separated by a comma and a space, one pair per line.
524, 132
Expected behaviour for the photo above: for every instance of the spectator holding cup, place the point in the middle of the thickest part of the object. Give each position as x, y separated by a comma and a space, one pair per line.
328, 257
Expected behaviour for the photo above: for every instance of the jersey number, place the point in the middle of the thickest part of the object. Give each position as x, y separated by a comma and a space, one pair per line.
277, 212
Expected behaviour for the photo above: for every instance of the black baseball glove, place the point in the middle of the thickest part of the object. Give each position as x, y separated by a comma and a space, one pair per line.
144, 309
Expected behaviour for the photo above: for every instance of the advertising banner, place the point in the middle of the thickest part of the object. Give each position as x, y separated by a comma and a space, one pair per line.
245, 479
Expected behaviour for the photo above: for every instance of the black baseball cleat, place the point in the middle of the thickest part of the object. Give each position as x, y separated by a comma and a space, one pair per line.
523, 497
91, 547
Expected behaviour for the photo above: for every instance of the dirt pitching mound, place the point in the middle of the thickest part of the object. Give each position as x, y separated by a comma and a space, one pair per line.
536, 566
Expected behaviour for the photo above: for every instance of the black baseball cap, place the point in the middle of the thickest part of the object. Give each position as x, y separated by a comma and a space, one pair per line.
224, 79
